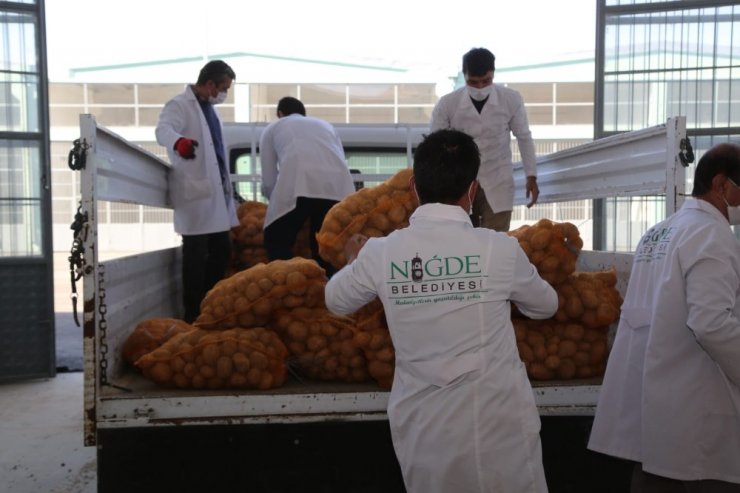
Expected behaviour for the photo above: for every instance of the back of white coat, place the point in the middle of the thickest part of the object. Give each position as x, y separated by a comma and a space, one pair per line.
462, 411
301, 156
670, 397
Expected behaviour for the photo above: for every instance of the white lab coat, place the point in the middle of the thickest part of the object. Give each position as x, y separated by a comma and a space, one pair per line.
195, 189
301, 156
461, 409
502, 115
670, 397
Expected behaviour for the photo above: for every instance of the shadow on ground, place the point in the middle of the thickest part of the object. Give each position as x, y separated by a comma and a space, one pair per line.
68, 343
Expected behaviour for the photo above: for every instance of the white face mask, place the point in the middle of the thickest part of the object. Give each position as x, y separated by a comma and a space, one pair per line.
733, 213
470, 201
479, 94
218, 99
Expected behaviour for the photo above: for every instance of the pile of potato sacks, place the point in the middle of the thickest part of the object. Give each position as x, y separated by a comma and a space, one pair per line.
231, 344
269, 318
266, 318
573, 343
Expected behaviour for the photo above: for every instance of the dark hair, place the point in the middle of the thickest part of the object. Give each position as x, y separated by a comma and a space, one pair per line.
288, 106
478, 61
445, 164
216, 71
721, 159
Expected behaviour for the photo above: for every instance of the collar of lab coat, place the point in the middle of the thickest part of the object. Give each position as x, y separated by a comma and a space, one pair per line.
440, 211
693, 203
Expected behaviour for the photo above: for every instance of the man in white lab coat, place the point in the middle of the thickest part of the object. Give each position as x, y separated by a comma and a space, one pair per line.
461, 409
490, 113
199, 185
670, 400
304, 173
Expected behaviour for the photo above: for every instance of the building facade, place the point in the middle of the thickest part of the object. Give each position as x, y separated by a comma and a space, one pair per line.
560, 114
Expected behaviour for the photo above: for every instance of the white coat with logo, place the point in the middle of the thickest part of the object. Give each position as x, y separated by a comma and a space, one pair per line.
670, 397
196, 192
301, 156
461, 409
502, 115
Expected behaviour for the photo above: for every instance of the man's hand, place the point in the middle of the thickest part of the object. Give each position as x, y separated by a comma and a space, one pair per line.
533, 190
186, 147
353, 246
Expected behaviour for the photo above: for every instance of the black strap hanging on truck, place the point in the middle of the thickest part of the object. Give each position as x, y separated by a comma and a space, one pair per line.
687, 152
76, 161
77, 255
77, 155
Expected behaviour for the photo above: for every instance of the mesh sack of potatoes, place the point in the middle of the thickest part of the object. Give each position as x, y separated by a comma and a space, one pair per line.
149, 334
373, 337
564, 351
552, 248
589, 298
249, 241
374, 212
249, 298
320, 344
226, 359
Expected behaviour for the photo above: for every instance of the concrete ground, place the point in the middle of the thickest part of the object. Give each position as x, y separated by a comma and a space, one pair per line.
41, 421
41, 435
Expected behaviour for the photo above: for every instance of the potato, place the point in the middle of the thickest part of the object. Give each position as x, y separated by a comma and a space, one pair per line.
540, 239
241, 362
552, 362
224, 367
211, 353
258, 360
525, 352
161, 373
567, 369
539, 371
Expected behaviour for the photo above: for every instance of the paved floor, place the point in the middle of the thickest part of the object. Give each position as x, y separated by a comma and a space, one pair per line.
41, 444
41, 435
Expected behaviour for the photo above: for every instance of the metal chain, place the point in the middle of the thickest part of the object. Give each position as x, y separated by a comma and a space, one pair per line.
103, 329
103, 326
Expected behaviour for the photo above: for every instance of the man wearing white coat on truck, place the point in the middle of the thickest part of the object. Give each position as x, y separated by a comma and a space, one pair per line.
670, 400
490, 113
461, 409
199, 184
304, 173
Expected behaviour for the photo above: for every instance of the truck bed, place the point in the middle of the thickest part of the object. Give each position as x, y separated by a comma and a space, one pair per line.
131, 400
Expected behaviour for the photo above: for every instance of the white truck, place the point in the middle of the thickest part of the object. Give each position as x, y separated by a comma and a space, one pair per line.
305, 435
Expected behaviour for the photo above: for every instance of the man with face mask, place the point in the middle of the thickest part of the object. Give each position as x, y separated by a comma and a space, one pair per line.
490, 114
199, 185
670, 400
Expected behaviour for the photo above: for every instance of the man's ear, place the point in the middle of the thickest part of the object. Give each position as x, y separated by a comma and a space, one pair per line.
474, 189
412, 187
718, 182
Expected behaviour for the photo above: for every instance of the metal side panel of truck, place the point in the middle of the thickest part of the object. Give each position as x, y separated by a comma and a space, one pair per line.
120, 293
